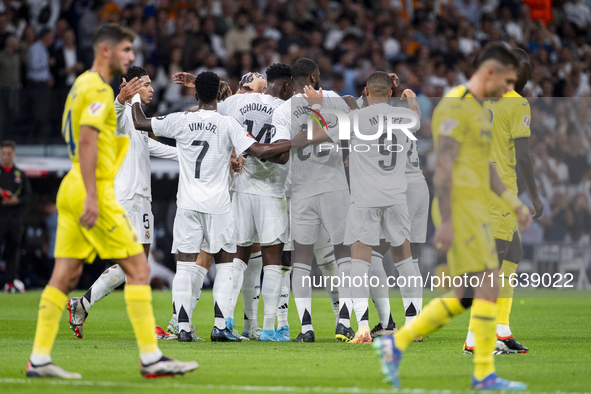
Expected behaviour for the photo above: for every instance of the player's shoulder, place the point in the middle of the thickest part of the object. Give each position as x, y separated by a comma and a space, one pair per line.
92, 82
459, 91
514, 100
330, 93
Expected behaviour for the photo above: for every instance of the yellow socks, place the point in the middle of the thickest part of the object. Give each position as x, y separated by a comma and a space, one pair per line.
484, 317
139, 308
51, 307
436, 314
505, 292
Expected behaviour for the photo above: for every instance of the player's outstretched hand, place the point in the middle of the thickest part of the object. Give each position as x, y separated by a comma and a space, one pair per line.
524, 216
313, 96
184, 79
538, 207
300, 139
444, 237
395, 79
129, 89
90, 213
236, 163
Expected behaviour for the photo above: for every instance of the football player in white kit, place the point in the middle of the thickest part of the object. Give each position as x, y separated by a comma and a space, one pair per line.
320, 195
132, 189
205, 140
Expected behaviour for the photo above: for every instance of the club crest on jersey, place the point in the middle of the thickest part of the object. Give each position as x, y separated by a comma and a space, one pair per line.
95, 108
526, 120
147, 234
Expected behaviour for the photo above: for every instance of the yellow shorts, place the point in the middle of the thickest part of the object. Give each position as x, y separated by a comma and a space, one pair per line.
504, 222
473, 248
113, 237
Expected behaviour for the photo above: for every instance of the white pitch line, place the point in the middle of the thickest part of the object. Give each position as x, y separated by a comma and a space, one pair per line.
217, 387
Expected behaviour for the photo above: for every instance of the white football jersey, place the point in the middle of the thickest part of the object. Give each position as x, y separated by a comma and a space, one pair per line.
413, 168
254, 111
314, 169
377, 166
204, 140
134, 176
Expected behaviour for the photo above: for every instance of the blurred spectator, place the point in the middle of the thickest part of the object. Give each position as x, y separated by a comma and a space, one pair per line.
86, 28
576, 159
239, 38
43, 14
579, 224
578, 13
9, 86
68, 64
4, 34
15, 191
560, 217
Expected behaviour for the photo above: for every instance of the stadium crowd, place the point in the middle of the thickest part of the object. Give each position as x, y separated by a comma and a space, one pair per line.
429, 44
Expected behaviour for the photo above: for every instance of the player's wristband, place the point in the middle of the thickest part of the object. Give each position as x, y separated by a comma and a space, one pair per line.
513, 201
136, 99
317, 106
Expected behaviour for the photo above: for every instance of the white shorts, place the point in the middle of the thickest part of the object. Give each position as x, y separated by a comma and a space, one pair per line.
326, 210
417, 199
260, 219
196, 230
139, 210
368, 225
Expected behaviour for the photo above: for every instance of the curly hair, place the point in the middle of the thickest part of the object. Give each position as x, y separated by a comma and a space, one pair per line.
277, 72
303, 67
207, 85
135, 71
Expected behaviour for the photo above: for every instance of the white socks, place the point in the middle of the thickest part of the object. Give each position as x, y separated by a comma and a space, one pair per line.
380, 294
418, 298
182, 293
326, 262
345, 303
271, 291
360, 294
503, 330
302, 294
406, 270
103, 286
251, 289
470, 341
197, 279
284, 297
222, 293
239, 267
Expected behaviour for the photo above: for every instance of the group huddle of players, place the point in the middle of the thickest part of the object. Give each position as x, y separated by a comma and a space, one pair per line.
260, 183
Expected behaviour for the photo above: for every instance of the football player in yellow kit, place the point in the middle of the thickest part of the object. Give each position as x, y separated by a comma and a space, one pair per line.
511, 117
463, 178
90, 220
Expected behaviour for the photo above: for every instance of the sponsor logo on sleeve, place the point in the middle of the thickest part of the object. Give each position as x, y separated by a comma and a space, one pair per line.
448, 125
95, 108
526, 120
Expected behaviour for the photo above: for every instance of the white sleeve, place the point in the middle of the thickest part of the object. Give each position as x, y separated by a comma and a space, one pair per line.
121, 119
282, 123
412, 114
170, 125
158, 149
227, 106
240, 138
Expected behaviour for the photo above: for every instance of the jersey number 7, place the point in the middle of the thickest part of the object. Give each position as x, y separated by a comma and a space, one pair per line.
204, 148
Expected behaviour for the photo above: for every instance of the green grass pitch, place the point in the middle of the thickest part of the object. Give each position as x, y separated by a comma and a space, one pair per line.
555, 329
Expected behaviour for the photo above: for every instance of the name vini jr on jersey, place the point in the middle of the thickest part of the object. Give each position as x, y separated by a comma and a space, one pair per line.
203, 126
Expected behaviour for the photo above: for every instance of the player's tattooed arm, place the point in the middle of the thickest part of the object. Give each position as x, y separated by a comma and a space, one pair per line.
140, 121
446, 155
184, 79
88, 158
526, 169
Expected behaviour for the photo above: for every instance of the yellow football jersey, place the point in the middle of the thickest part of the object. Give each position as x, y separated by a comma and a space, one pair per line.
90, 102
461, 117
511, 116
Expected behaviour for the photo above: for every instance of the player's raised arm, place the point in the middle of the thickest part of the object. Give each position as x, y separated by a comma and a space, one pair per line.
158, 149
442, 178
411, 99
184, 79
140, 121
315, 98
88, 157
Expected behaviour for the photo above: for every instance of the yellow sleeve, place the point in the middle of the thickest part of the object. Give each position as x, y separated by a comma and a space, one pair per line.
449, 120
94, 110
520, 119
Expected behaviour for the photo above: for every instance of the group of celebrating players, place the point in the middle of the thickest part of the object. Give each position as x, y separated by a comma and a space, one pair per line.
259, 183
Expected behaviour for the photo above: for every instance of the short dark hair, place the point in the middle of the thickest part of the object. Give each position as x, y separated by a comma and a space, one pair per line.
135, 71
525, 69
8, 144
112, 32
207, 85
303, 67
277, 72
498, 52
379, 83
45, 31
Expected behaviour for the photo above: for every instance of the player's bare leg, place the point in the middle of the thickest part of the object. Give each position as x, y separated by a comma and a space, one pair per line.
222, 297
271, 290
